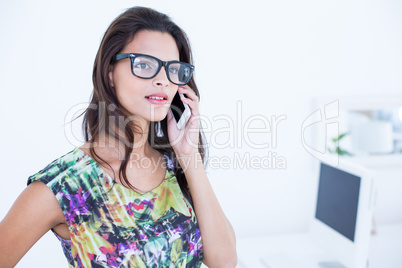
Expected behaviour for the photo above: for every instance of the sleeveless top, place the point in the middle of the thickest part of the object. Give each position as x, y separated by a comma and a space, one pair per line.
114, 226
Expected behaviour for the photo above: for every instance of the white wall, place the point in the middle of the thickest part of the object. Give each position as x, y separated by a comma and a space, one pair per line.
269, 59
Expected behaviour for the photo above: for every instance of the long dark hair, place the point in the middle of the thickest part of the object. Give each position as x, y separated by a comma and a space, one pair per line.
108, 111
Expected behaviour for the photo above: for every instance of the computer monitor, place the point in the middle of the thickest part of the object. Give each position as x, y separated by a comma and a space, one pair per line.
342, 221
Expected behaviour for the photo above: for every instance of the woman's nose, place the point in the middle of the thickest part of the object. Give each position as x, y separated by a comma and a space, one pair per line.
161, 79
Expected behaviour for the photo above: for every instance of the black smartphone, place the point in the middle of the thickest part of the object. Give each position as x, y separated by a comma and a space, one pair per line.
181, 111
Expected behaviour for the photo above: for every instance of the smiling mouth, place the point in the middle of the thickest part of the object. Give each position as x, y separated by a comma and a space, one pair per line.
155, 98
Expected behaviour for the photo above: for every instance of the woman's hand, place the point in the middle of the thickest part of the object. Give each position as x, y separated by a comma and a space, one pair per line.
185, 141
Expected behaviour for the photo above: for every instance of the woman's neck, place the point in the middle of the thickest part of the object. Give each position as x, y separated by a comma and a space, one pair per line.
114, 150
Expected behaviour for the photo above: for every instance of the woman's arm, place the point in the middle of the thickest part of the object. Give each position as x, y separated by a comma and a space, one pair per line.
34, 213
218, 237
219, 242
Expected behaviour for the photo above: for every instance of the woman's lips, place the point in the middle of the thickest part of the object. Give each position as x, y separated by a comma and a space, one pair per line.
156, 101
157, 98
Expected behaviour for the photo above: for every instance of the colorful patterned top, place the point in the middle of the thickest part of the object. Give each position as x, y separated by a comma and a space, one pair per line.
113, 226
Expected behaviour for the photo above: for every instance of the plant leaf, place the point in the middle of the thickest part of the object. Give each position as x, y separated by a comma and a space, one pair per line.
342, 135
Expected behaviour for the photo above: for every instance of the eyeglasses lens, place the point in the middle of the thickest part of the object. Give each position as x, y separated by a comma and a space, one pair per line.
146, 67
179, 73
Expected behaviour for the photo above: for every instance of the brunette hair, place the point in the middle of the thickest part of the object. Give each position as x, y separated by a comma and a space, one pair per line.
108, 111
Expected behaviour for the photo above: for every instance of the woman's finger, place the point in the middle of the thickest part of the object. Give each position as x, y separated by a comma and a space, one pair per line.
192, 104
189, 93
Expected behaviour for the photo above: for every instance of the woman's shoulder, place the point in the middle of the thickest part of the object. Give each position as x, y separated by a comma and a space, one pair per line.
67, 166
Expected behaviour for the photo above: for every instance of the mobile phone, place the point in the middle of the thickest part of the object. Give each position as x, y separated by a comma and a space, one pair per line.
181, 111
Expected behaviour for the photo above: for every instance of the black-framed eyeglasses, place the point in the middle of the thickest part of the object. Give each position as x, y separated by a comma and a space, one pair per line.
147, 67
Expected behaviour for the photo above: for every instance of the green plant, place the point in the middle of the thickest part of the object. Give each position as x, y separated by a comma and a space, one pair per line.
337, 149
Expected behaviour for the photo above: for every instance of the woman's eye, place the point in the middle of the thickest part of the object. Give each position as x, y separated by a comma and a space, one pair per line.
142, 65
173, 70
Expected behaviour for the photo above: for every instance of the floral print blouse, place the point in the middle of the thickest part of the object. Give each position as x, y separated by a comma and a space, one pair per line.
114, 226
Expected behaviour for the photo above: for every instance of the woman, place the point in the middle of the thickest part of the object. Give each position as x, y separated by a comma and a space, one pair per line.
136, 193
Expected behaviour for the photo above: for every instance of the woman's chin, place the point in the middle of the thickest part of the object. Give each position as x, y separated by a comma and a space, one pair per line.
158, 117
158, 114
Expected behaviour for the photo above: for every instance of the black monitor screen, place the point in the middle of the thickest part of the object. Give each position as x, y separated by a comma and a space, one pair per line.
338, 196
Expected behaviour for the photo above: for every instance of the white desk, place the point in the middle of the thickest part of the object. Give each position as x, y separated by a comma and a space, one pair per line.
385, 250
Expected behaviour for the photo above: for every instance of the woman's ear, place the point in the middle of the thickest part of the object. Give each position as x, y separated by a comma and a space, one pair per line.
111, 75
